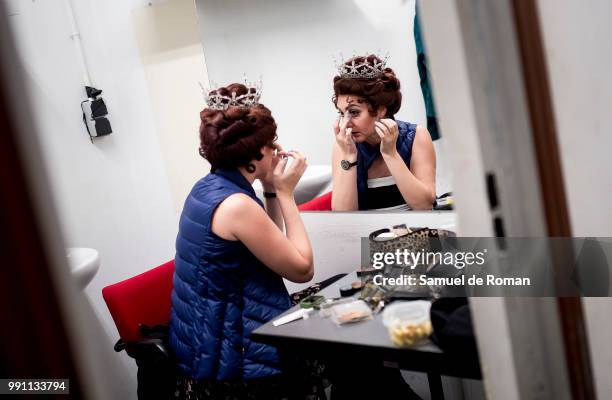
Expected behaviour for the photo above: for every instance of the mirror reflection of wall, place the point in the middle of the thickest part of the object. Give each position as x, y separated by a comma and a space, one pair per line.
292, 45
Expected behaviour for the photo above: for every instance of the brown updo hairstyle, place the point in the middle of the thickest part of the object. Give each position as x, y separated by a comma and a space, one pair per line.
233, 137
381, 91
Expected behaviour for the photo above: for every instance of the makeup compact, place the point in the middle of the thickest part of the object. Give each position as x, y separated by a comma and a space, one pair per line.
312, 301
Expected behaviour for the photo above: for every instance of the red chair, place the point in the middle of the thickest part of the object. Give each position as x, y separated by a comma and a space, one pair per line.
140, 307
141, 300
321, 203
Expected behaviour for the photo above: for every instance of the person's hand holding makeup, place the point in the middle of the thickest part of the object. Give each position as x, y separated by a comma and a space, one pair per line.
286, 177
344, 139
388, 131
268, 181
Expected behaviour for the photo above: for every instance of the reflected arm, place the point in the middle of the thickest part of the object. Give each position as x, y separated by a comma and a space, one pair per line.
417, 184
344, 197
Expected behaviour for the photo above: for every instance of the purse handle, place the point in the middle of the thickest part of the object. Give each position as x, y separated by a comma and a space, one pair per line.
413, 231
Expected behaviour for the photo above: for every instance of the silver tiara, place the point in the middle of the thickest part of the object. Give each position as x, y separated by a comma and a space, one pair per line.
363, 70
218, 101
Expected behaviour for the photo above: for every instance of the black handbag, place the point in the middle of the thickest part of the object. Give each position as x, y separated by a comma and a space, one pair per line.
453, 331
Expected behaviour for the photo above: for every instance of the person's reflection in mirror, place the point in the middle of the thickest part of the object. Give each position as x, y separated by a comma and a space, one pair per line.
378, 163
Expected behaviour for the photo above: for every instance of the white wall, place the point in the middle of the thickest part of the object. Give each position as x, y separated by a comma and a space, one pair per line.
579, 55
292, 45
112, 195
173, 60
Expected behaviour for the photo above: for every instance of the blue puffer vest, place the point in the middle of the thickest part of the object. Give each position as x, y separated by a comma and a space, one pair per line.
367, 154
222, 292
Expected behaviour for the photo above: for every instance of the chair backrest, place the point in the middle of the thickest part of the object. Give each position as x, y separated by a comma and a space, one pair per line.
321, 203
142, 299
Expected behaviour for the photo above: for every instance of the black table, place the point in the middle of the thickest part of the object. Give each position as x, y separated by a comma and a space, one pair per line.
321, 337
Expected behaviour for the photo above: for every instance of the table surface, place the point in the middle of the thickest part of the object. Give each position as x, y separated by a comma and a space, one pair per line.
317, 335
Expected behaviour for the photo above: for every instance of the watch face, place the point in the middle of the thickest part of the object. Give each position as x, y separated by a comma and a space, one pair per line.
345, 164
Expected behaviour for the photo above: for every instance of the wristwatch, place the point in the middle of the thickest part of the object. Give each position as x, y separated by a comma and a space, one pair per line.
346, 165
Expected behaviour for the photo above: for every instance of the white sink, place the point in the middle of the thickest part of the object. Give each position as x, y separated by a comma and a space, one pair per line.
84, 264
315, 181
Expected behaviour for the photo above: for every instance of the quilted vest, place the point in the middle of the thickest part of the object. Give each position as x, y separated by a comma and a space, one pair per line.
222, 292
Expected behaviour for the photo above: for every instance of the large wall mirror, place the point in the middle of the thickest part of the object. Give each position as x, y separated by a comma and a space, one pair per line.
294, 47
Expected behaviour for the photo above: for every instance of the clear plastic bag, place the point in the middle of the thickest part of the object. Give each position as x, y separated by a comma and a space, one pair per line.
354, 311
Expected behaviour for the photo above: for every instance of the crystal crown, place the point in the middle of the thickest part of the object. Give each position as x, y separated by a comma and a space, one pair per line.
365, 69
217, 101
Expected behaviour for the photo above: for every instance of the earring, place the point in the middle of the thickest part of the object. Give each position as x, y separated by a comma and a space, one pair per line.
250, 168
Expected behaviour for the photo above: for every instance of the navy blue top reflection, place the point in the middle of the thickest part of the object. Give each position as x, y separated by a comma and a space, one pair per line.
366, 154
222, 292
